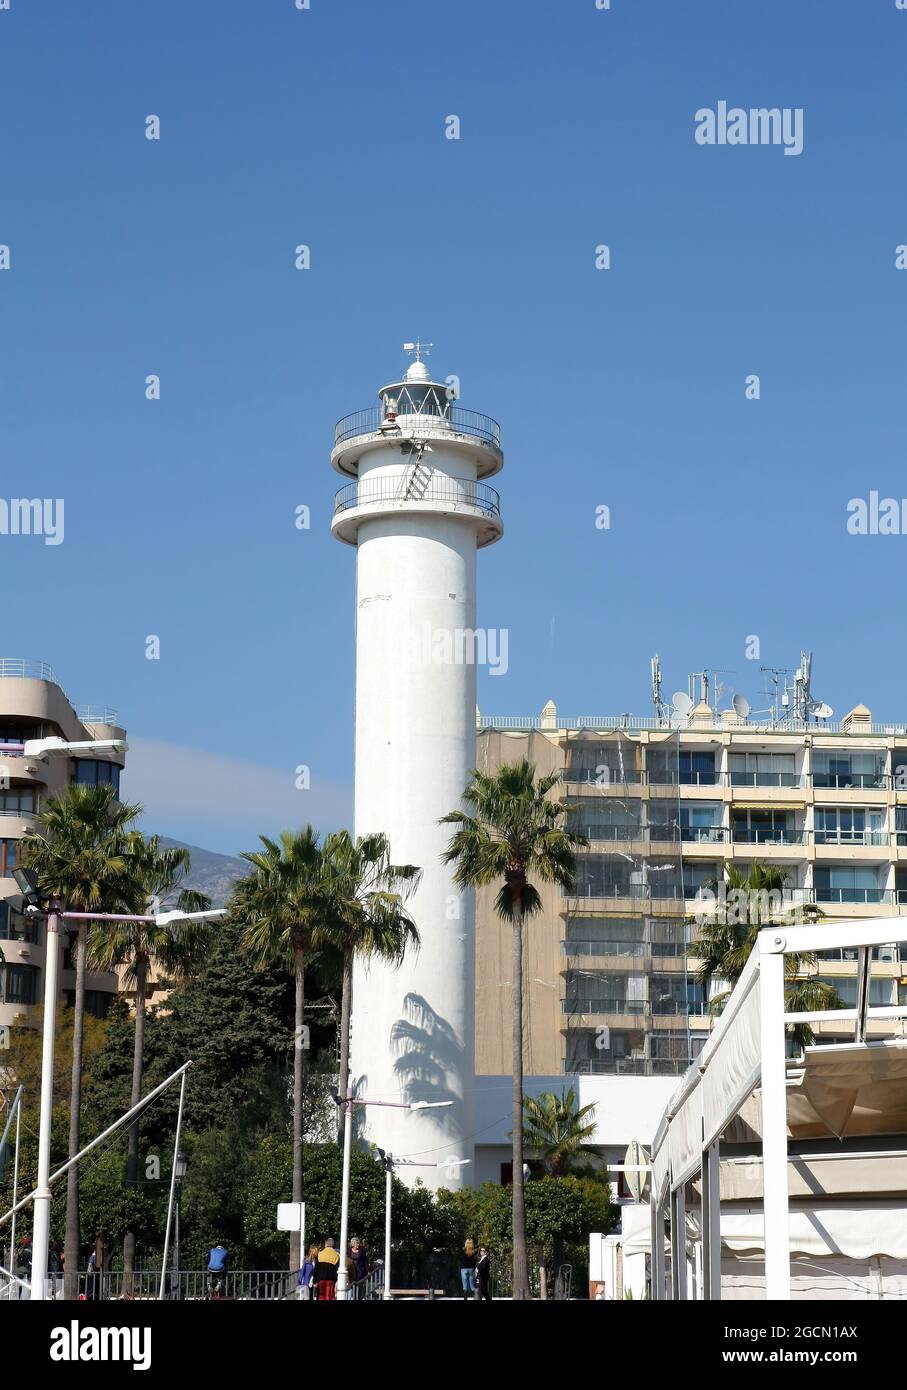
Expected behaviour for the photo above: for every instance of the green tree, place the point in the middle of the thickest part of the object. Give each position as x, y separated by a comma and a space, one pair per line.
282, 905
724, 941
511, 834
558, 1129
79, 855
174, 949
367, 917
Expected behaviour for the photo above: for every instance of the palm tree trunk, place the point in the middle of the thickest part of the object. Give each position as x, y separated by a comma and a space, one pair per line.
520, 1264
346, 1005
298, 1098
73, 1240
132, 1161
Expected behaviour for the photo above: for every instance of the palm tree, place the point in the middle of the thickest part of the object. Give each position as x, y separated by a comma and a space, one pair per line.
723, 946
282, 906
558, 1129
512, 833
175, 950
79, 855
367, 919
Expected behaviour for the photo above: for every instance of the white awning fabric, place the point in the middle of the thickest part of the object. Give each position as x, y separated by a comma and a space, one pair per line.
858, 1232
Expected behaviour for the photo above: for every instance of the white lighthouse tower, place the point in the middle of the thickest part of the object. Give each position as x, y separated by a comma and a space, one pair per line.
417, 512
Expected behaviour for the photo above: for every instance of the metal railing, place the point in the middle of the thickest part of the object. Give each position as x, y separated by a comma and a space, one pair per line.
769, 836
624, 1007
632, 723
97, 714
625, 1066
440, 488
455, 420
242, 1285
19, 668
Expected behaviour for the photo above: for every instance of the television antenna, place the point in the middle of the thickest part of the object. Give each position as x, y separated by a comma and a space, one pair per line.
656, 688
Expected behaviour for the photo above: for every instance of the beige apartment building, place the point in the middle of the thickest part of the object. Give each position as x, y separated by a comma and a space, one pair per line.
33, 705
611, 983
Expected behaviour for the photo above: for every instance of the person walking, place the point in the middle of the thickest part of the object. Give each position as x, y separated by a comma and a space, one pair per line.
468, 1269
359, 1261
306, 1278
483, 1274
326, 1268
217, 1271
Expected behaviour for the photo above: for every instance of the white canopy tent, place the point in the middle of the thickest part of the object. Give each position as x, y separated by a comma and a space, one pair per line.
849, 1091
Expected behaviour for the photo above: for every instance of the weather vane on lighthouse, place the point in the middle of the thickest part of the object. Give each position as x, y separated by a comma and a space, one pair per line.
417, 348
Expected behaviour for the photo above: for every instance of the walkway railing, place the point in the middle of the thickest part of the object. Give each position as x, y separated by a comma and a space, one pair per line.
455, 419
440, 488
241, 1285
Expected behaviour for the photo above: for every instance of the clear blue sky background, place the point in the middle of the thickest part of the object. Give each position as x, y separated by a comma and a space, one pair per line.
623, 388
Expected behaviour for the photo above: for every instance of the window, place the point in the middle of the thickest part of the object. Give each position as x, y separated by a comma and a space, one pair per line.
19, 984
763, 826
9, 857
95, 772
762, 769
847, 825
600, 937
674, 994
16, 926
604, 818
848, 769
696, 769
603, 763
843, 884
18, 802
701, 821
697, 876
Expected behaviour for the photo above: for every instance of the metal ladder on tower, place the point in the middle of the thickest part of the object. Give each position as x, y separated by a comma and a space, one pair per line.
418, 475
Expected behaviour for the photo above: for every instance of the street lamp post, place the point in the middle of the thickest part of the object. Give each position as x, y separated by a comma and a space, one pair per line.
26, 880
181, 1166
343, 1278
389, 1164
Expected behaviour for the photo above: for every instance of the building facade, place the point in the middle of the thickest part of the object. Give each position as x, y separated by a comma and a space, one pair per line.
611, 968
33, 705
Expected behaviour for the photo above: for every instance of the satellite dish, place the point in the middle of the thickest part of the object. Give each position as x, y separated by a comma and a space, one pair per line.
741, 706
823, 711
681, 702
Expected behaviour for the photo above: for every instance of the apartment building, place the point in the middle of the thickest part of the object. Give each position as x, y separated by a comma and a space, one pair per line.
667, 805
33, 705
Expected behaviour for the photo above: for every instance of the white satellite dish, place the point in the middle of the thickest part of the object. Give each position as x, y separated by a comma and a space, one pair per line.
681, 702
822, 711
741, 706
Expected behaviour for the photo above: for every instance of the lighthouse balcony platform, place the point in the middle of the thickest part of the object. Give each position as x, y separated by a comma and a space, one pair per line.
415, 496
468, 431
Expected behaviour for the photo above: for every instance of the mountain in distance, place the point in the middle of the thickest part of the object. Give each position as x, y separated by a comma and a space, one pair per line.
212, 874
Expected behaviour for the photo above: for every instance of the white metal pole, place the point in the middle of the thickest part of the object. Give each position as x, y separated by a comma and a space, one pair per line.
679, 1243
711, 1222
176, 1149
41, 1226
388, 1193
12, 1229
657, 1257
342, 1273
774, 1122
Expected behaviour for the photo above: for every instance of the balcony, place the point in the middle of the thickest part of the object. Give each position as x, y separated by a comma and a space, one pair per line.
622, 1008
848, 781
766, 779
391, 494
624, 1066
772, 835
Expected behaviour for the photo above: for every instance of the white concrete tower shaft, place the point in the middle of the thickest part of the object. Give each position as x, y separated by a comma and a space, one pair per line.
417, 513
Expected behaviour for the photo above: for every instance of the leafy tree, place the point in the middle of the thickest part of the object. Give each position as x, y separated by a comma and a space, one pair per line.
80, 860
175, 949
282, 906
558, 1129
511, 833
367, 919
723, 944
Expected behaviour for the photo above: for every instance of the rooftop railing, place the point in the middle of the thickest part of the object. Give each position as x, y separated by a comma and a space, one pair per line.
96, 714
17, 668
455, 419
635, 723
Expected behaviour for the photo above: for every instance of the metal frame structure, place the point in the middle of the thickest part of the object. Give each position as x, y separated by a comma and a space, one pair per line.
746, 1051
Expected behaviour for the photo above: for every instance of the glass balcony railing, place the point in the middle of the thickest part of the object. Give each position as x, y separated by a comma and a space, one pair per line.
623, 1007
766, 779
768, 835
844, 781
625, 1066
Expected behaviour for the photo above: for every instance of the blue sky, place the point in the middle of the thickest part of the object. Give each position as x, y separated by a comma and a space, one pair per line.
622, 388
